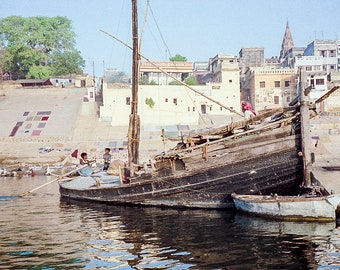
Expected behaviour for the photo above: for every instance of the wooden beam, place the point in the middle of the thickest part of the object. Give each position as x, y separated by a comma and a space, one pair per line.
305, 126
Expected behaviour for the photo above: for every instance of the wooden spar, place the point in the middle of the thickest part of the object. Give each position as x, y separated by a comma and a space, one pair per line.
322, 98
305, 126
134, 123
173, 77
54, 180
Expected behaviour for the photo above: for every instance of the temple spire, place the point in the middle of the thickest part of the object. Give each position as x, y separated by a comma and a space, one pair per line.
287, 42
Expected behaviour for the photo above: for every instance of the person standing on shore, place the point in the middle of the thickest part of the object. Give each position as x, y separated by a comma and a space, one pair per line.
107, 159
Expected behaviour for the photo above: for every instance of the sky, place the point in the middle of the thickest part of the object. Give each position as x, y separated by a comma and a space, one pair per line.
196, 29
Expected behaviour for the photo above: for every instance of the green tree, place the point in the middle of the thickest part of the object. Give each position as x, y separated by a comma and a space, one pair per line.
178, 58
67, 62
191, 80
35, 42
39, 72
150, 102
144, 80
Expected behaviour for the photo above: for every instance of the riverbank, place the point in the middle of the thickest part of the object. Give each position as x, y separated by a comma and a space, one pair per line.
42, 127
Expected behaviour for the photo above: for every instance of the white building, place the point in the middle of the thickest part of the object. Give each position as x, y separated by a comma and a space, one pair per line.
316, 75
176, 104
329, 50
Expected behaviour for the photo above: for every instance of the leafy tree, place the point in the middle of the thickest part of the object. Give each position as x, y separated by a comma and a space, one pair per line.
144, 80
36, 42
39, 72
150, 102
153, 82
67, 62
191, 80
178, 58
174, 83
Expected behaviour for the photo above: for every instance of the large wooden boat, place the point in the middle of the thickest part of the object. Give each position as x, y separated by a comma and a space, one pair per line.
254, 156
204, 170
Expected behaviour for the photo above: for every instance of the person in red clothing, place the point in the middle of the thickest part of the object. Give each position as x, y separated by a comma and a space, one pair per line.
247, 109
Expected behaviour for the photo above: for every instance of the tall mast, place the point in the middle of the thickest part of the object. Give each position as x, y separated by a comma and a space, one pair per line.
134, 123
305, 126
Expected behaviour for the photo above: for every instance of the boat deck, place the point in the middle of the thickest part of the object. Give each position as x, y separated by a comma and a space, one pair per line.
101, 179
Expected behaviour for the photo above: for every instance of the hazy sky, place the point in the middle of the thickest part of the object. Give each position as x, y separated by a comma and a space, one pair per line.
196, 29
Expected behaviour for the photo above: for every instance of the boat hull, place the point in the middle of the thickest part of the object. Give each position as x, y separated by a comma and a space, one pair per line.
208, 188
320, 208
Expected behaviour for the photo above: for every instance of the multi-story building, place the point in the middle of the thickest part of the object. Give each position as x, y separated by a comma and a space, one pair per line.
176, 104
329, 50
316, 76
248, 58
251, 57
154, 75
270, 88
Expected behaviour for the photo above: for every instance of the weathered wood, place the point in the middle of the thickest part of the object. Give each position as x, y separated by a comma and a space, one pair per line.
305, 126
134, 123
50, 182
325, 96
309, 208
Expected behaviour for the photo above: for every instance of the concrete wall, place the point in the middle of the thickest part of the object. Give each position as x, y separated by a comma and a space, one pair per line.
173, 104
264, 97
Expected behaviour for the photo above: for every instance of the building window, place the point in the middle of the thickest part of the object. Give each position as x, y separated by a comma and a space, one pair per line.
128, 101
286, 83
230, 81
277, 83
308, 68
193, 109
319, 81
175, 101
276, 99
262, 84
166, 99
288, 99
188, 109
221, 108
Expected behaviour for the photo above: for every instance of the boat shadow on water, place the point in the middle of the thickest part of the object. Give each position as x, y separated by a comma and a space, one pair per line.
203, 239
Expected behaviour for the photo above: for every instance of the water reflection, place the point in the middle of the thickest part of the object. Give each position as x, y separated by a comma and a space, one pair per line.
41, 231
152, 237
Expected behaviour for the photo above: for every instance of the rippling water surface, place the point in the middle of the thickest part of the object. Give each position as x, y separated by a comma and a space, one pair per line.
40, 231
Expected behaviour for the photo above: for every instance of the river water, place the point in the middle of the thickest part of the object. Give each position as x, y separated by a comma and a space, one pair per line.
41, 231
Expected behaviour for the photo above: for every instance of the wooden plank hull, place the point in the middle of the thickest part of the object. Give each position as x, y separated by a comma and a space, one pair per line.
204, 173
321, 208
206, 187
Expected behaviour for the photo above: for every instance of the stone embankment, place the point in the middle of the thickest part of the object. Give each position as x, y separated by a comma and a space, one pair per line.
70, 123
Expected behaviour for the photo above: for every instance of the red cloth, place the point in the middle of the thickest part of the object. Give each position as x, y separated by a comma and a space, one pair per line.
75, 153
246, 106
